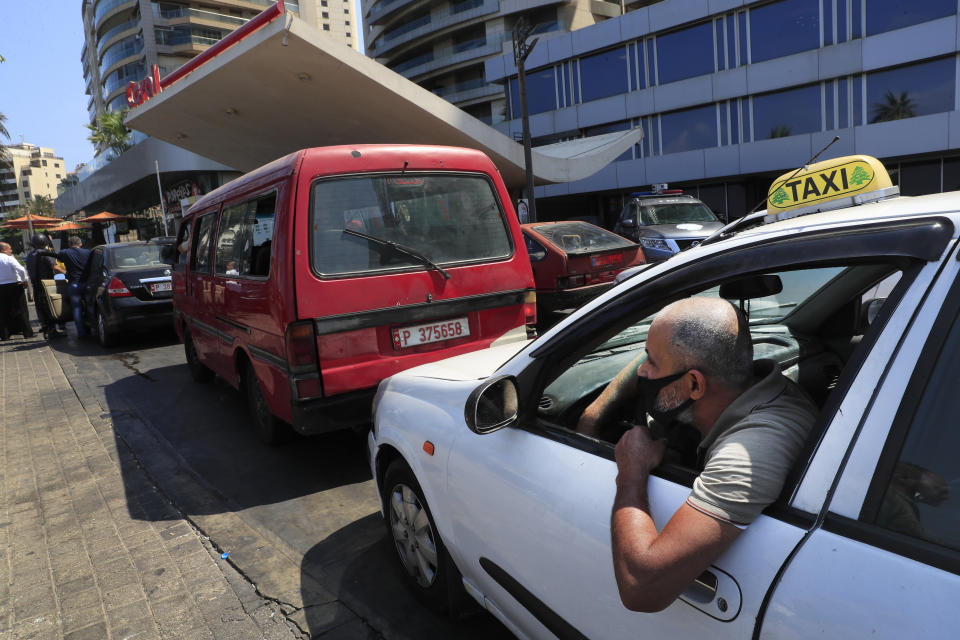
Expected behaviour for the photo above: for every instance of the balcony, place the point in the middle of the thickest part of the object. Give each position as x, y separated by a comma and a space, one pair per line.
184, 15
119, 52
386, 8
460, 53
107, 8
431, 25
105, 39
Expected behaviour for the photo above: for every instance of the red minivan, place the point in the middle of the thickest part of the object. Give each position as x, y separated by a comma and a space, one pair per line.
309, 280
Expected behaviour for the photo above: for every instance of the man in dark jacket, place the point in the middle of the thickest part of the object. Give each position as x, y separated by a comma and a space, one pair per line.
42, 267
76, 259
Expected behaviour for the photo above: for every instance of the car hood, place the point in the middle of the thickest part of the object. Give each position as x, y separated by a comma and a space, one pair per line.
475, 365
681, 230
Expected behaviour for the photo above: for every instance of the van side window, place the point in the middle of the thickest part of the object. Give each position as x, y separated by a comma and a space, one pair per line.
200, 260
182, 247
260, 218
245, 238
231, 241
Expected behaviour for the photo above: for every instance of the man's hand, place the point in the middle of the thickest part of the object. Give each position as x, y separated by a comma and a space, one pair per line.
637, 455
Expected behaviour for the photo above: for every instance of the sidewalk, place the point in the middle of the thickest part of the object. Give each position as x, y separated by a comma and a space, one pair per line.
84, 556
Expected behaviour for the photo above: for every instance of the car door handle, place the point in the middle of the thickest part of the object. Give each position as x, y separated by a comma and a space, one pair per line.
703, 588
716, 593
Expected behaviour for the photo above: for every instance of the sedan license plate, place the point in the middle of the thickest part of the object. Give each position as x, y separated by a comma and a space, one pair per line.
157, 287
432, 332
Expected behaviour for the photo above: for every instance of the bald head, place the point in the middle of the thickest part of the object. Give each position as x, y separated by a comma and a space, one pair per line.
5, 248
712, 336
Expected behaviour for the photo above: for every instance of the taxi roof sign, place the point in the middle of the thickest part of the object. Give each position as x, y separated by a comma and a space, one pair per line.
831, 184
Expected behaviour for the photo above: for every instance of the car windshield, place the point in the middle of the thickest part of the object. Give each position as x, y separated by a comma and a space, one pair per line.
446, 218
140, 255
580, 237
675, 213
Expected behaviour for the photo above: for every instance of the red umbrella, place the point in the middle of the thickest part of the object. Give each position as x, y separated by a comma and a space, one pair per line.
70, 226
103, 216
41, 222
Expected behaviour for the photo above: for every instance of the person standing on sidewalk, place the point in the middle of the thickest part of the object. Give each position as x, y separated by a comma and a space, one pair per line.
76, 259
39, 268
13, 300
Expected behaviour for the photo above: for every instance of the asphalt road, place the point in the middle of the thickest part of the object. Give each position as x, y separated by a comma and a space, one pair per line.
301, 520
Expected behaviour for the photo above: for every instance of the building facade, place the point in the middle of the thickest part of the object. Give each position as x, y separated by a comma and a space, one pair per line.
32, 171
123, 39
729, 93
443, 46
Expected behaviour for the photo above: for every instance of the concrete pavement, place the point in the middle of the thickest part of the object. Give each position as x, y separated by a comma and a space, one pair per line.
86, 554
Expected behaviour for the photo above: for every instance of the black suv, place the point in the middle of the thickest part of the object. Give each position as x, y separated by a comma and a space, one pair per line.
665, 223
129, 288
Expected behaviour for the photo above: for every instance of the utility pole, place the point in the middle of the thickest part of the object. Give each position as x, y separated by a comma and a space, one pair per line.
522, 49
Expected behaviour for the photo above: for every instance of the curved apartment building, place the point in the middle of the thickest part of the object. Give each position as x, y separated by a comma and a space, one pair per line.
442, 46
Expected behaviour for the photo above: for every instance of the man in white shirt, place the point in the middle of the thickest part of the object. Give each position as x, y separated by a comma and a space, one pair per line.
13, 301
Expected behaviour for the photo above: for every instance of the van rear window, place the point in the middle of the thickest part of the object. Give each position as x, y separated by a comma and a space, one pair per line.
449, 218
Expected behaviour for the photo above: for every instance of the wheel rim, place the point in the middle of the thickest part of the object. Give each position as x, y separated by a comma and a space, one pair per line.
413, 535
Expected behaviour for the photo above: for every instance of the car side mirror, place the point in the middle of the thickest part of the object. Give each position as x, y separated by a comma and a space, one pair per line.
493, 405
628, 223
871, 309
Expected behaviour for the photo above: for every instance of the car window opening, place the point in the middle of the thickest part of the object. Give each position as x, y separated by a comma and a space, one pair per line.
811, 328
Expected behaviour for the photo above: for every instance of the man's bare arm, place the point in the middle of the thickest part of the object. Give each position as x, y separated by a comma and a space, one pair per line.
618, 393
652, 568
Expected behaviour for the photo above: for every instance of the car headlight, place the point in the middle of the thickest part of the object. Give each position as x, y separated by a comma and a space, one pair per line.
654, 243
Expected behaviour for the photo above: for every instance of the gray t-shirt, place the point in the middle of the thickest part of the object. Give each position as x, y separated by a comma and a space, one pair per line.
752, 447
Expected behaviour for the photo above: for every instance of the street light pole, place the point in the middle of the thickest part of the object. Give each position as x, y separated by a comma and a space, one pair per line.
522, 49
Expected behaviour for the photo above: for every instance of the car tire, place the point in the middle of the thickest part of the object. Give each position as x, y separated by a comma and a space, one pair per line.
425, 565
270, 429
104, 336
198, 371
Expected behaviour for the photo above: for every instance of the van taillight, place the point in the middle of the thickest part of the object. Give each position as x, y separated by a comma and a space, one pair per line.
530, 308
116, 289
301, 346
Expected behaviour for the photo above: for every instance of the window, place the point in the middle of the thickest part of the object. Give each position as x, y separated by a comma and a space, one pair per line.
200, 262
603, 74
447, 219
689, 129
786, 113
324, 14
326, 27
812, 298
912, 90
685, 53
783, 28
541, 92
183, 243
536, 250
918, 482
246, 237
887, 15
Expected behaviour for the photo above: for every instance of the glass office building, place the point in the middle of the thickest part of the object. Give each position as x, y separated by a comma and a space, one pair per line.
731, 93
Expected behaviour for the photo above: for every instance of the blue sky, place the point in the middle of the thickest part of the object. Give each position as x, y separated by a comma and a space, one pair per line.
41, 81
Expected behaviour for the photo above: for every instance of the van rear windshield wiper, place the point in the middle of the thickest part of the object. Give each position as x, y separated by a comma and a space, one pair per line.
400, 248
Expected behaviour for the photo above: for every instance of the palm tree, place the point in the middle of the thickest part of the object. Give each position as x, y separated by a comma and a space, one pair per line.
109, 132
4, 159
42, 206
894, 107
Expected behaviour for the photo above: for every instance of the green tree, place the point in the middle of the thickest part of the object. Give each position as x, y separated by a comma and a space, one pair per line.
894, 107
42, 206
4, 156
110, 132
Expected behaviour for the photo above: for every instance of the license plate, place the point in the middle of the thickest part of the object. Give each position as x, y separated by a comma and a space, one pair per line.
608, 260
157, 287
432, 332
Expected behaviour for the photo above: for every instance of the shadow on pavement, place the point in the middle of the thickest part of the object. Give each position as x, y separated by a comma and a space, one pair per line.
360, 559
204, 430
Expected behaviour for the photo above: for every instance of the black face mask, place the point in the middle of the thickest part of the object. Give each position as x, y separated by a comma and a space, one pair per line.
650, 389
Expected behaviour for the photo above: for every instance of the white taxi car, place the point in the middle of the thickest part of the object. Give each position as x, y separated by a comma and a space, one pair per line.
488, 489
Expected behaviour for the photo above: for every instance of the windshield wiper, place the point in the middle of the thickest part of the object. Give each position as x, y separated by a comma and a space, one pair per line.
400, 248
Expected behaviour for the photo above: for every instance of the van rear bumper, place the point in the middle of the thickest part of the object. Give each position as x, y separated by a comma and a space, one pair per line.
339, 412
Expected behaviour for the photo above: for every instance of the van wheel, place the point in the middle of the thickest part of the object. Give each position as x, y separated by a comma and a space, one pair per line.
428, 569
198, 371
104, 336
269, 427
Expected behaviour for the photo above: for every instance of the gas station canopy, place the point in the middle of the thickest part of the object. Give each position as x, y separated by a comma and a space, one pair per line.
287, 86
